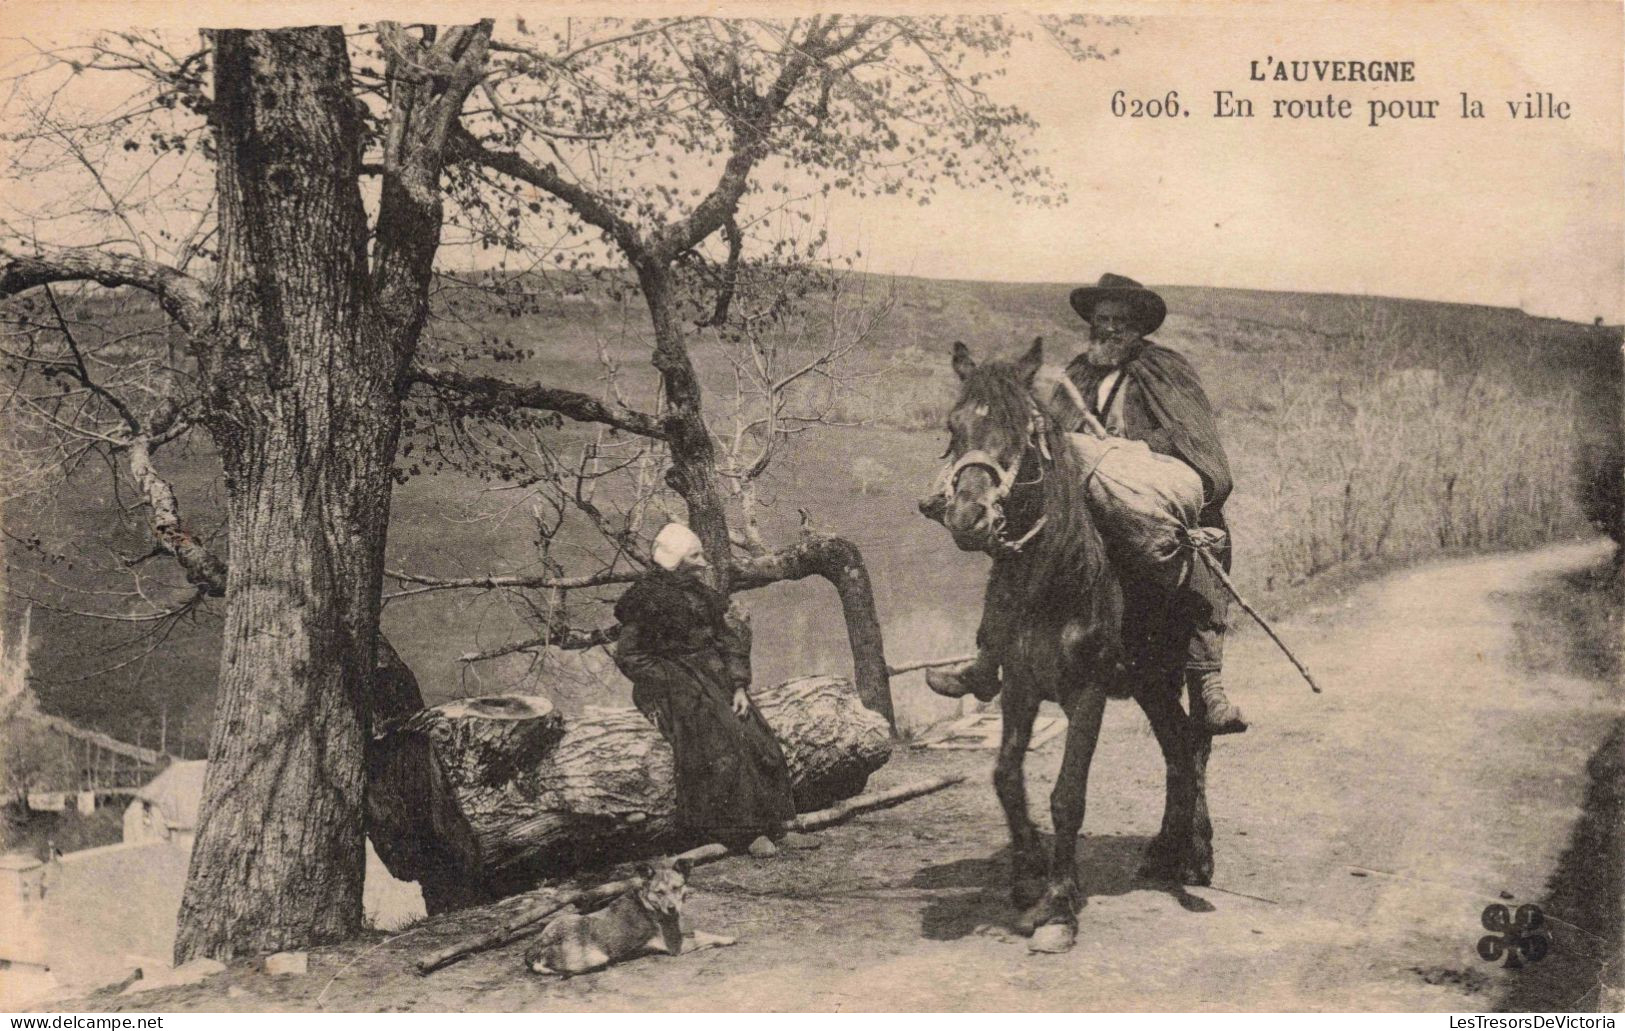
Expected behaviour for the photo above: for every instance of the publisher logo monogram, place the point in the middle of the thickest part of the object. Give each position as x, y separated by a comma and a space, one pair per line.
1518, 936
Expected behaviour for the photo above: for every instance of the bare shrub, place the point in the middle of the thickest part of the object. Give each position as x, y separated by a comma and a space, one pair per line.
1376, 458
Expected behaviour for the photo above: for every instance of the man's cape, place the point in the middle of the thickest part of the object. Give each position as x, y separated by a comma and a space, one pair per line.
1174, 399
1173, 393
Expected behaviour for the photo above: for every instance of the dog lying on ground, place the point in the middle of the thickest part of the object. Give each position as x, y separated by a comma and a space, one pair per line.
645, 920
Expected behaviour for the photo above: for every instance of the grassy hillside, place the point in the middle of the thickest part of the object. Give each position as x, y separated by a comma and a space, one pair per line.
1362, 431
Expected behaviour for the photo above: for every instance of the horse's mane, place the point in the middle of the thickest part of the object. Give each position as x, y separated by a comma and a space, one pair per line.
1059, 570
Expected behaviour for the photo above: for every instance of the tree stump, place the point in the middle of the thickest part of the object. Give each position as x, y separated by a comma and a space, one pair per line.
486, 796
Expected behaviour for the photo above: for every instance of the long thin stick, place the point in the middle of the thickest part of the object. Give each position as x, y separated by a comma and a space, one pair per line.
1218, 571
909, 667
1089, 420
535, 910
869, 803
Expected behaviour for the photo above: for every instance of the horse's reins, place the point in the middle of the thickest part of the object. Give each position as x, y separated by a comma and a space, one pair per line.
1005, 481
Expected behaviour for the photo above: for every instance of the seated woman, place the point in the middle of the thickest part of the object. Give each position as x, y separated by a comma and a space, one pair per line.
689, 662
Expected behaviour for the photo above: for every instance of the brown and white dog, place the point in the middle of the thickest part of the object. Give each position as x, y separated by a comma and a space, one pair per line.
644, 920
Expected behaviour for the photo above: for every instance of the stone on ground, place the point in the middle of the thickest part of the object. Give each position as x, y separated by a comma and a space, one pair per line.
190, 972
1052, 938
286, 963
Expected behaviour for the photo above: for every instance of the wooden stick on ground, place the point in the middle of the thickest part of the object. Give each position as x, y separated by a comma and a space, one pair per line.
1218, 571
909, 667
868, 803
534, 911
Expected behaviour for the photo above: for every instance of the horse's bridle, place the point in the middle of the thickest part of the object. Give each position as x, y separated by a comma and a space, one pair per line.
1005, 480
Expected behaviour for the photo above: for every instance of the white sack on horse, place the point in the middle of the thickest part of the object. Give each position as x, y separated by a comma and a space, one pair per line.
1142, 501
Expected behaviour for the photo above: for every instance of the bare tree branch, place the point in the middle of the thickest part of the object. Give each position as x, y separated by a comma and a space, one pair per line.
592, 208
203, 568
184, 298
428, 84
488, 583
754, 119
561, 637
564, 59
728, 279
502, 110
488, 393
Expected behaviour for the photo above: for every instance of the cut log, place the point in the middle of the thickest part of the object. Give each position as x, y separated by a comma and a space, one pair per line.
502, 792
487, 742
412, 839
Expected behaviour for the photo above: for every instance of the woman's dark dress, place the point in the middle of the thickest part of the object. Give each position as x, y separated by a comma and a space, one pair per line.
685, 657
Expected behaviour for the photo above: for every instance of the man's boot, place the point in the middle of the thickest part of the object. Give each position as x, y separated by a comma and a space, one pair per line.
980, 678
1222, 716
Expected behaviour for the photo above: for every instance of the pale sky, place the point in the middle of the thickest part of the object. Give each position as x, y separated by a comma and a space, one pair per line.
1497, 211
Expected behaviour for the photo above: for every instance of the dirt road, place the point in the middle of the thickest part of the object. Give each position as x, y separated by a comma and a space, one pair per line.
1359, 835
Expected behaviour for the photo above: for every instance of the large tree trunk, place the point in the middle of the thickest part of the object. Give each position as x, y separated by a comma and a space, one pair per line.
489, 795
302, 407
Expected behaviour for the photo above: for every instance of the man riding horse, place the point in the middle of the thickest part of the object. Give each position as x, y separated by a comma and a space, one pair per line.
1140, 390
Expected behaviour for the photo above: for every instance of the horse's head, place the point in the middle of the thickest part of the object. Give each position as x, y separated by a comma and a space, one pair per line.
996, 437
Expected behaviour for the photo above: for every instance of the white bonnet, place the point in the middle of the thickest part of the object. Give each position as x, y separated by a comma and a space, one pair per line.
674, 543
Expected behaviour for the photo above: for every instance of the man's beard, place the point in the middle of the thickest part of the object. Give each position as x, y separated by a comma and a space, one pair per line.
1109, 352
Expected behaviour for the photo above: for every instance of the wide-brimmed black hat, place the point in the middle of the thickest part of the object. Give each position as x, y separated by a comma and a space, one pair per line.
1148, 307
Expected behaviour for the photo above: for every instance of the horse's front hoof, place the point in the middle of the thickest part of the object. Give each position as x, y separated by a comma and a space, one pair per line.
1053, 938
1058, 906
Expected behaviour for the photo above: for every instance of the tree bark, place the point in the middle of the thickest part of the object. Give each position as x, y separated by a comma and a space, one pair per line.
301, 402
693, 472
507, 794
841, 563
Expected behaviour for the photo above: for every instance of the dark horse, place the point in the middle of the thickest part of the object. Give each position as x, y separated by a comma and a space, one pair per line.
1016, 490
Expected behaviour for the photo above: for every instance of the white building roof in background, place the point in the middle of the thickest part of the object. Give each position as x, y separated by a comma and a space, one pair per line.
176, 793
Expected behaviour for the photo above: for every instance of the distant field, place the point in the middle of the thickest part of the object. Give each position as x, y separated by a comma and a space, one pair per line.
1362, 431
